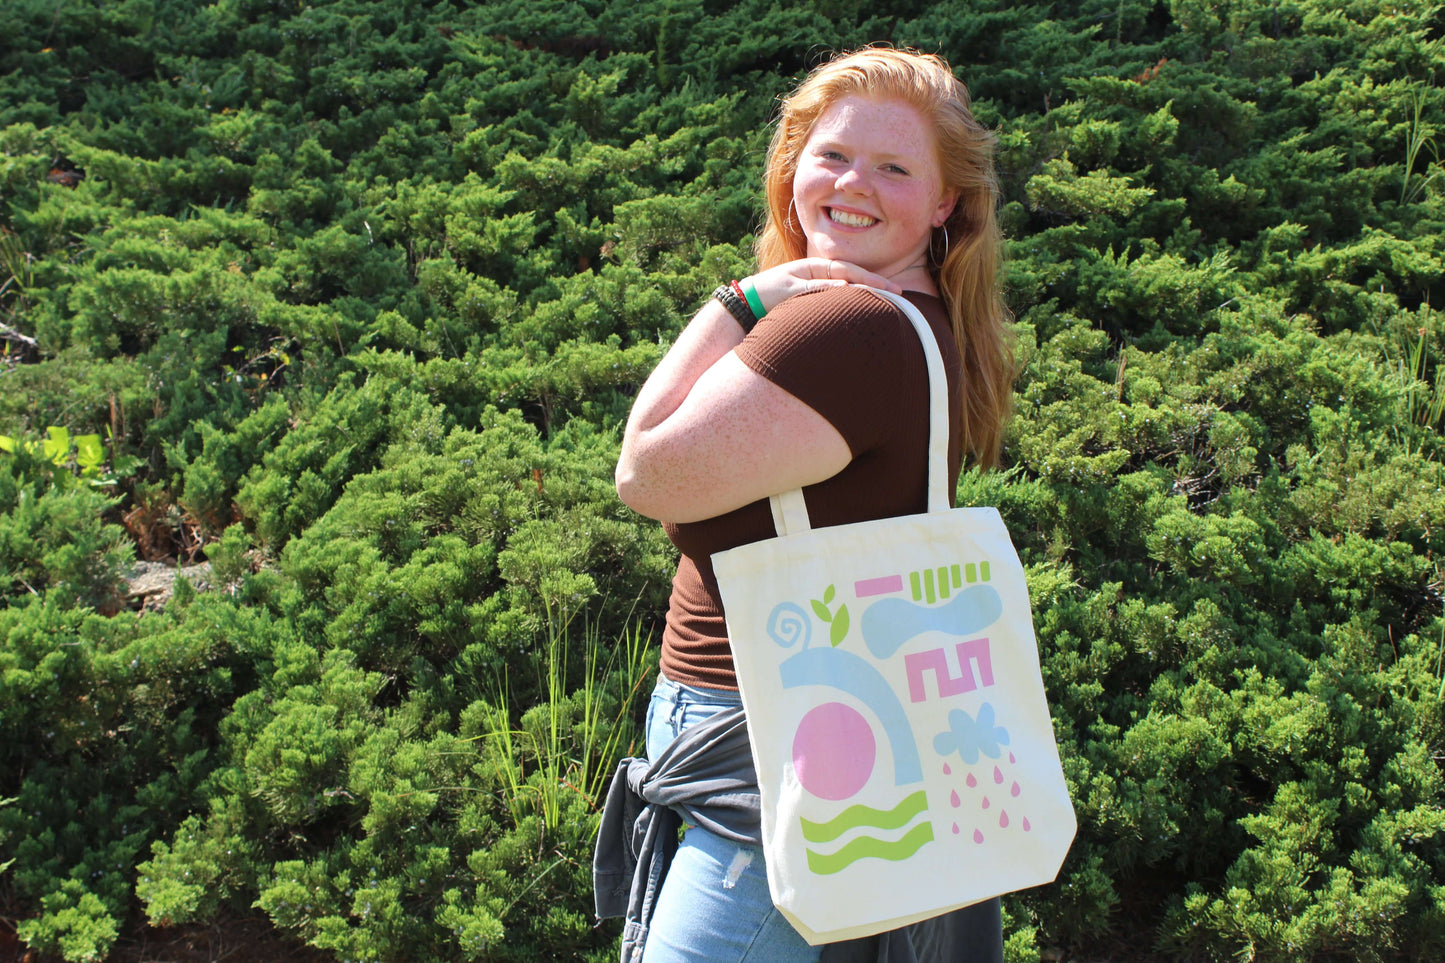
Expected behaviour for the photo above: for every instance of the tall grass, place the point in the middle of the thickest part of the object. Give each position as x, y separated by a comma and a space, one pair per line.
1418, 136
568, 742
1422, 398
597, 761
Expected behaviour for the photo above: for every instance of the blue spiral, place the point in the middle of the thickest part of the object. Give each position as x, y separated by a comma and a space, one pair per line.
788, 623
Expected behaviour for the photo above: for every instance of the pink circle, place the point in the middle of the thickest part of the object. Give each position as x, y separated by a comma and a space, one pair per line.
834, 751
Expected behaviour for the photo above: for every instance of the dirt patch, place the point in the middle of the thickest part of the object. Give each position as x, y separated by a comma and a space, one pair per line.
149, 585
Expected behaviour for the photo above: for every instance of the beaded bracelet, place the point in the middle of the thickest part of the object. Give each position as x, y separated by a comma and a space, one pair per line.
736, 305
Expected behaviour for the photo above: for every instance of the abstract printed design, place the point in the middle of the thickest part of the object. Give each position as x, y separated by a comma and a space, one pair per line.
970, 737
982, 796
846, 672
862, 845
970, 654
834, 751
889, 623
865, 846
789, 624
836, 747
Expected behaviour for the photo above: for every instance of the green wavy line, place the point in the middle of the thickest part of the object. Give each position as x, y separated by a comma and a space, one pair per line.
855, 816
866, 846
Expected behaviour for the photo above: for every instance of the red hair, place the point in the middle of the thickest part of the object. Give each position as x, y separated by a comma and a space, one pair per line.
967, 278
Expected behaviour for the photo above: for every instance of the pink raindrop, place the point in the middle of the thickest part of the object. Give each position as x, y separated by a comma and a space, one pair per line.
946, 770
1015, 790
1011, 758
972, 782
997, 775
1027, 827
978, 835
953, 798
955, 829
1003, 819
985, 803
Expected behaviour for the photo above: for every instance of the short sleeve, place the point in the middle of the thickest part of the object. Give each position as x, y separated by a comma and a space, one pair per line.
841, 351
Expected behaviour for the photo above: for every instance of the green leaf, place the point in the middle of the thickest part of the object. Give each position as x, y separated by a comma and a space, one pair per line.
821, 611
7, 444
828, 595
839, 631
57, 444
89, 454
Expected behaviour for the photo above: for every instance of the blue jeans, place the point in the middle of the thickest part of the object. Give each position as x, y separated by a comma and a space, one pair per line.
714, 904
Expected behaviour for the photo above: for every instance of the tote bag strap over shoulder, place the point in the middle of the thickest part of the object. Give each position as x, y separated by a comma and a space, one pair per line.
790, 512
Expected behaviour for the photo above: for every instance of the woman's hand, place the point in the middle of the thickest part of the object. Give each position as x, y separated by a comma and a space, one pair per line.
777, 284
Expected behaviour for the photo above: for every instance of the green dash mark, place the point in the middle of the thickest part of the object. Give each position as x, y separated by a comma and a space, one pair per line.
855, 816
972, 571
928, 595
913, 583
983, 570
868, 846
943, 581
957, 578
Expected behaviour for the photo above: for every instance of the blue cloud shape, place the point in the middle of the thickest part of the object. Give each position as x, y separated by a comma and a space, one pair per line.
969, 737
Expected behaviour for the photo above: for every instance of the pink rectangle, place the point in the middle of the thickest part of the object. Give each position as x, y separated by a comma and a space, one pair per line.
878, 586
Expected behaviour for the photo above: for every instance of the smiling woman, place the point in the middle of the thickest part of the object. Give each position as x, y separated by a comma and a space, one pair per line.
868, 188
799, 377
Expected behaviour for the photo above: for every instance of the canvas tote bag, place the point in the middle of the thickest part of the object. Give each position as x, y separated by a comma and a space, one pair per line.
899, 727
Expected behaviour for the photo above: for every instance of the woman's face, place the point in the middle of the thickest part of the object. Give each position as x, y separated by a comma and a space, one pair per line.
868, 188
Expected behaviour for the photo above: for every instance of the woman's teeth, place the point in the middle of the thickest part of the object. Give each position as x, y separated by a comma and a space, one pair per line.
850, 220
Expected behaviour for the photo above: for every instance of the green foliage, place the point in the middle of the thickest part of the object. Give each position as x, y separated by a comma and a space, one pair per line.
352, 298
54, 538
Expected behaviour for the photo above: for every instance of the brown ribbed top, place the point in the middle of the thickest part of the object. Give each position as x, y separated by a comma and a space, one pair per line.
857, 361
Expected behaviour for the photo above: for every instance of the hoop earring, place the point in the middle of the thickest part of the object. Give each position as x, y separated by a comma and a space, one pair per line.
793, 215
938, 258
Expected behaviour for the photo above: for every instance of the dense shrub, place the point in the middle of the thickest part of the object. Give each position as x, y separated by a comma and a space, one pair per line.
357, 295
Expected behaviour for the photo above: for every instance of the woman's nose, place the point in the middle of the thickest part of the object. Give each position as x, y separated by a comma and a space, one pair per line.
853, 181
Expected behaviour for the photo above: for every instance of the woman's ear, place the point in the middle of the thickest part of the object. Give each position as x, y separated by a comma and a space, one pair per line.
945, 207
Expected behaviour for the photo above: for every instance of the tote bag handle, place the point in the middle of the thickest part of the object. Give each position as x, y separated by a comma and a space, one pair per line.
790, 511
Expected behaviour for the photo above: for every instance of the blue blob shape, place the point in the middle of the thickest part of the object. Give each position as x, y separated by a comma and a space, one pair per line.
888, 623
846, 672
788, 623
969, 737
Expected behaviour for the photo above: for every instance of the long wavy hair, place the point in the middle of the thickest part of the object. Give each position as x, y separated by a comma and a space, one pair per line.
963, 253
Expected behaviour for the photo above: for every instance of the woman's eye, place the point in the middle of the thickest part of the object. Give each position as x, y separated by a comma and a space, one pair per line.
894, 169
832, 155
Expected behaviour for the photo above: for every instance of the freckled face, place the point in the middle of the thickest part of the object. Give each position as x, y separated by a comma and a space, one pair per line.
868, 187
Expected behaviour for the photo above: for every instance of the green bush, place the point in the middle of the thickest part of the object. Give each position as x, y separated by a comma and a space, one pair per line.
354, 296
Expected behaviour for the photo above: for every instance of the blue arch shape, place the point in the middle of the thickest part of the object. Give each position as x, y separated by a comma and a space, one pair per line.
848, 673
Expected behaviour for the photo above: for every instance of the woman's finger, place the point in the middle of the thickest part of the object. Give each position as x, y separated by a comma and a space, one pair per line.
781, 282
853, 274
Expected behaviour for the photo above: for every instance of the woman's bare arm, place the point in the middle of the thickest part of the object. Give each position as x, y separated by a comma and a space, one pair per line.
707, 434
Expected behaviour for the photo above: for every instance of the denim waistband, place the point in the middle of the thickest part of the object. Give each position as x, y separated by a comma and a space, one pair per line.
705, 695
